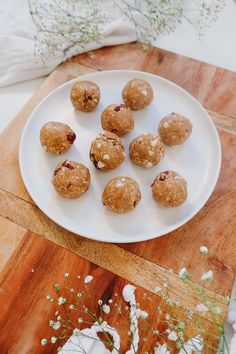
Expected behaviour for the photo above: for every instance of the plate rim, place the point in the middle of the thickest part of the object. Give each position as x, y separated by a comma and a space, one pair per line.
169, 229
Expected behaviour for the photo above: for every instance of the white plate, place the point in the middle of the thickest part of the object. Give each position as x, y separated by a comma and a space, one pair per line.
198, 160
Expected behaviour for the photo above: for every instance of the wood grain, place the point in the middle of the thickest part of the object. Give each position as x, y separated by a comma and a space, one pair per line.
147, 263
10, 236
212, 86
109, 256
30, 275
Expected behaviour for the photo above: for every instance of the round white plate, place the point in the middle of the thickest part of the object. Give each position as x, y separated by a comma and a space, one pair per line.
198, 160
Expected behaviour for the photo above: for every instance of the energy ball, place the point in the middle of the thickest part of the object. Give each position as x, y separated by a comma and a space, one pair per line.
56, 137
107, 151
118, 119
71, 179
169, 189
146, 150
137, 94
174, 129
85, 95
121, 194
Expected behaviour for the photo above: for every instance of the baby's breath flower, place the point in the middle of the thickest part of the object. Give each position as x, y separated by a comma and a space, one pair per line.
161, 349
216, 310
190, 314
72, 290
157, 289
88, 279
56, 325
51, 323
57, 287
53, 339
202, 308
106, 308
182, 272
99, 302
76, 332
56, 313
181, 325
167, 317
59, 318
66, 275
141, 314
44, 341
110, 301
78, 276
173, 336
80, 320
79, 295
48, 297
71, 307
207, 275
203, 250
61, 300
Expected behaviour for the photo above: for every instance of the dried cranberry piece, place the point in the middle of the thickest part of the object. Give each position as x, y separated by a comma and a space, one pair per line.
122, 105
68, 165
56, 171
163, 175
71, 137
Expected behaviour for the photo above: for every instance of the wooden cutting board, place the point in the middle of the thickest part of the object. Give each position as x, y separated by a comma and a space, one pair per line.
145, 264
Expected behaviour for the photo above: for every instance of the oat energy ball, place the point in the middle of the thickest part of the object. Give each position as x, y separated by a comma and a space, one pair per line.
174, 129
146, 150
169, 189
85, 95
118, 119
56, 137
137, 94
121, 194
107, 151
71, 179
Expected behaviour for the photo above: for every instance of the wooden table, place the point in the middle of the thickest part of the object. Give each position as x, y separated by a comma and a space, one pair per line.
35, 252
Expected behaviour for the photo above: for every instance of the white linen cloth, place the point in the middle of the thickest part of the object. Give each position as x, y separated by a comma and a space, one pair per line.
17, 31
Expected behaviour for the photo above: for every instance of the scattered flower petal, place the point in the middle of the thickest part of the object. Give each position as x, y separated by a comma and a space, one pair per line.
44, 341
88, 279
61, 300
76, 332
161, 349
106, 308
56, 325
207, 275
53, 339
202, 308
203, 250
173, 336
